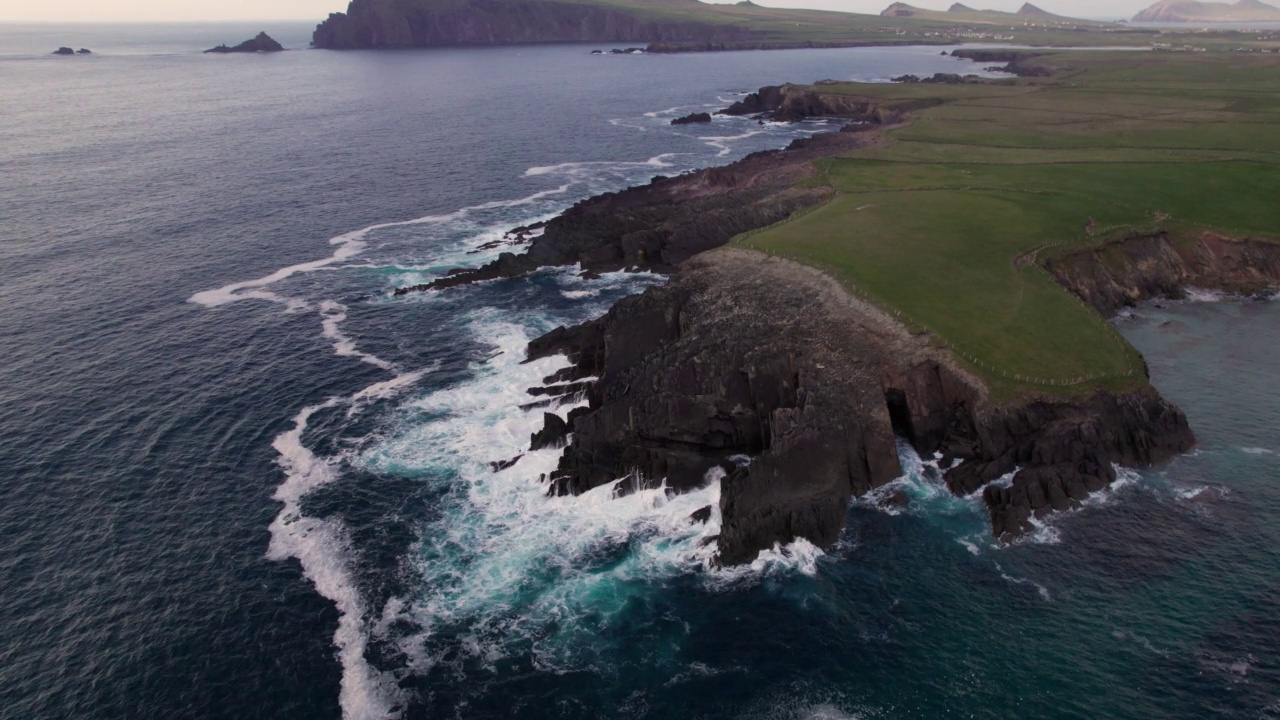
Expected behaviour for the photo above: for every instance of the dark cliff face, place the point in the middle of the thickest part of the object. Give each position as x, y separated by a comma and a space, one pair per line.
424, 23
733, 370
1124, 272
744, 356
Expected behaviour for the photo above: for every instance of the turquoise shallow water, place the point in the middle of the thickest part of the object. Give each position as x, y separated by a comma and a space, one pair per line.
232, 490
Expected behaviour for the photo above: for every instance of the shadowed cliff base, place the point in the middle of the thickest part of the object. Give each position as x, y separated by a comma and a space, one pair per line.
913, 287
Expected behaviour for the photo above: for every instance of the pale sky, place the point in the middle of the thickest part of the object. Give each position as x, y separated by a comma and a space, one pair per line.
213, 10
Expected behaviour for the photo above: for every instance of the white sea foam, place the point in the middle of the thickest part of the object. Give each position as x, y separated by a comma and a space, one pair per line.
1257, 451
321, 546
578, 169
668, 111
1040, 589
347, 245
721, 143
506, 558
520, 569
1204, 295
332, 315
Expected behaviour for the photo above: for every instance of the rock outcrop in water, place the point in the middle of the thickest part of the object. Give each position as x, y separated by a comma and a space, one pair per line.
261, 43
425, 23
692, 118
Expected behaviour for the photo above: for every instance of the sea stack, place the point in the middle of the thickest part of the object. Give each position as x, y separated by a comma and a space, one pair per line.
262, 43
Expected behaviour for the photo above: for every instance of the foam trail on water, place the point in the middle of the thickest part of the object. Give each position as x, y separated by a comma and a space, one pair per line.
332, 314
348, 245
721, 143
321, 546
579, 168
1040, 589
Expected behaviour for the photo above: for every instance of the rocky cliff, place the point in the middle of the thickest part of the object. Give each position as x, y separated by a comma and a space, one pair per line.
767, 374
1127, 271
424, 23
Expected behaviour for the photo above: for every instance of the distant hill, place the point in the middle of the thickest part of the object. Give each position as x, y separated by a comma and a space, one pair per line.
1191, 11
964, 14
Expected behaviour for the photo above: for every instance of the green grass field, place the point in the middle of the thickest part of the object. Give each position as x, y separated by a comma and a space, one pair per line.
932, 226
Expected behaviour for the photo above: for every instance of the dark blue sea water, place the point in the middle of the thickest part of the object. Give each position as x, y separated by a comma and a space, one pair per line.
241, 480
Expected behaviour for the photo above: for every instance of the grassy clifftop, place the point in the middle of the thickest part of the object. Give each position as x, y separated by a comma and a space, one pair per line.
948, 223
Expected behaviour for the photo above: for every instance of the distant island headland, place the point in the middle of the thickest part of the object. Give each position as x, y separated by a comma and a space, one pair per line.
262, 43
676, 25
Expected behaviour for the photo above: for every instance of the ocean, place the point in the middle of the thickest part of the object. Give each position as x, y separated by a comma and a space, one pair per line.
241, 479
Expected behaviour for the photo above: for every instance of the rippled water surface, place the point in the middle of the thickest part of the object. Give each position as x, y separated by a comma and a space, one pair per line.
240, 479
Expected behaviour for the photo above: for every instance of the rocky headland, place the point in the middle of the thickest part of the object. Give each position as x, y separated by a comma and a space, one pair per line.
766, 375
262, 43
383, 24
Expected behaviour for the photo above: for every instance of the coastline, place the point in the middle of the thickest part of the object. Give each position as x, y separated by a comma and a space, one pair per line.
736, 357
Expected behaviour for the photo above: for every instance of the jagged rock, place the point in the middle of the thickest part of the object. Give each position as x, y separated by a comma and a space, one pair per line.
742, 354
895, 499
1126, 271
701, 515
692, 118
64, 51
553, 433
500, 465
262, 43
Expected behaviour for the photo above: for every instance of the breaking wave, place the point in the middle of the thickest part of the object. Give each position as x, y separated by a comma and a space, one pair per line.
499, 568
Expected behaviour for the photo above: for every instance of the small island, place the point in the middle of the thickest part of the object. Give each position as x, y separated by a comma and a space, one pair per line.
64, 50
263, 43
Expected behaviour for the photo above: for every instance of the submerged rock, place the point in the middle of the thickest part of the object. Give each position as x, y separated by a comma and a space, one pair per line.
262, 43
